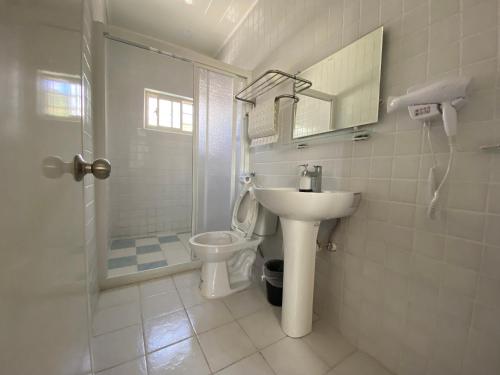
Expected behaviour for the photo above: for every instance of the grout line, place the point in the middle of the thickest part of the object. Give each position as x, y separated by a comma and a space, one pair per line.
141, 313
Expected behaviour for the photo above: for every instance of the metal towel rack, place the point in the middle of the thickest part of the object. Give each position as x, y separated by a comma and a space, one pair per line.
268, 81
490, 147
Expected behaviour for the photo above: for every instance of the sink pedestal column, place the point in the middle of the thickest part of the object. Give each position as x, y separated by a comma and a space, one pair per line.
299, 249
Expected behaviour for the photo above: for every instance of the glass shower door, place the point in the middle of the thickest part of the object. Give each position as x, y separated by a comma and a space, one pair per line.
219, 156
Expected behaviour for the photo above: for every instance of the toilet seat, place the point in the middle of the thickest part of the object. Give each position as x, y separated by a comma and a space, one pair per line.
245, 212
227, 256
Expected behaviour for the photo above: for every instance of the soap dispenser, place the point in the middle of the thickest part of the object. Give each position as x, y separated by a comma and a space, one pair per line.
305, 183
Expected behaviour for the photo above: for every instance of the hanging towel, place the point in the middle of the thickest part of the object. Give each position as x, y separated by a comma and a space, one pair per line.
263, 122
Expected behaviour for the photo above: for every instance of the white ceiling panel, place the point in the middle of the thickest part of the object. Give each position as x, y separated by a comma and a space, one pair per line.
202, 25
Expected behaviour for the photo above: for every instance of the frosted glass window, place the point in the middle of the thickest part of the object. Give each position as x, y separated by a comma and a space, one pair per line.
168, 112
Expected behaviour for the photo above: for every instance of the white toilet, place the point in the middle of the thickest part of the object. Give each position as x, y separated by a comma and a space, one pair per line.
228, 256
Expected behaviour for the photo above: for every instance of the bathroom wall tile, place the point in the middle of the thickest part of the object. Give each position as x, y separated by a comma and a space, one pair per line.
384, 146
443, 8
403, 190
456, 305
463, 253
482, 354
459, 280
482, 106
445, 31
444, 59
381, 167
406, 167
466, 224
448, 345
471, 167
391, 9
377, 189
479, 47
415, 19
370, 15
491, 262
408, 143
402, 214
360, 167
480, 17
484, 73
487, 292
485, 319
426, 269
494, 199
492, 234
413, 44
467, 196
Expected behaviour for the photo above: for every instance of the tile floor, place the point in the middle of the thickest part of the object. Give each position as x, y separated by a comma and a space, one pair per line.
131, 255
165, 326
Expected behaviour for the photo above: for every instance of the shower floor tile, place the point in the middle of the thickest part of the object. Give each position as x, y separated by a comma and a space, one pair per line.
132, 255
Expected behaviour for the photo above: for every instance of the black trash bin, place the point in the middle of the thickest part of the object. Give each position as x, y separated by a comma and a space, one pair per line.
273, 273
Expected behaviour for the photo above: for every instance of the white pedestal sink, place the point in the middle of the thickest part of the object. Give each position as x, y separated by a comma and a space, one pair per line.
300, 215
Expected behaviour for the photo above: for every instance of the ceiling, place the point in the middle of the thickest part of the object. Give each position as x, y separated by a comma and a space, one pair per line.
201, 25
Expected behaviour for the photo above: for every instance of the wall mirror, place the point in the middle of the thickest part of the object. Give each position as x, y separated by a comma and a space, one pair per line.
345, 89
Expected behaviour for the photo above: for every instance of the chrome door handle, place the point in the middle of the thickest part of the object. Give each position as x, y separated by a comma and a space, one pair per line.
100, 168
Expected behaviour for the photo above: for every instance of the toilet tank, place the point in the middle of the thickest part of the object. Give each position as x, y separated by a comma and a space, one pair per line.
267, 222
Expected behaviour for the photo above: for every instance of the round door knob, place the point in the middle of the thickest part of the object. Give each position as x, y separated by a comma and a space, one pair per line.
101, 169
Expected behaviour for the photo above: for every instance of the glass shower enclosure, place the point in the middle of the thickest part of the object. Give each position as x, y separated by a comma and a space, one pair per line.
174, 138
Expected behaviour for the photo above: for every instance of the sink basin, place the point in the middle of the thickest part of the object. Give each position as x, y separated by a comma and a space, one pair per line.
300, 215
290, 203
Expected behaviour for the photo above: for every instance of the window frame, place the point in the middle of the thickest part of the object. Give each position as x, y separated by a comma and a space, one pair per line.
148, 93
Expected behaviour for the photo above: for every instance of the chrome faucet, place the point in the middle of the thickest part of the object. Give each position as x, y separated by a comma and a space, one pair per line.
310, 181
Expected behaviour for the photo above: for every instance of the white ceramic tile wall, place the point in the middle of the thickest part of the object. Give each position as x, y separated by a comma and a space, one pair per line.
151, 183
88, 154
419, 295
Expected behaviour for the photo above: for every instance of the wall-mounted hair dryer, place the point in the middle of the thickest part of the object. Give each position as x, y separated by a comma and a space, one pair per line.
443, 98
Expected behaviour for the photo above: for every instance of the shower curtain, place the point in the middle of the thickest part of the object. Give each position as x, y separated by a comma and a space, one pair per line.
220, 155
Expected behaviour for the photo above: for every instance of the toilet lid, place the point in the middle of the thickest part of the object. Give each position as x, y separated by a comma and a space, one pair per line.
245, 212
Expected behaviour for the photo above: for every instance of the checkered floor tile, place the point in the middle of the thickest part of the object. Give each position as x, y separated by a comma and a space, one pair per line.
130, 255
